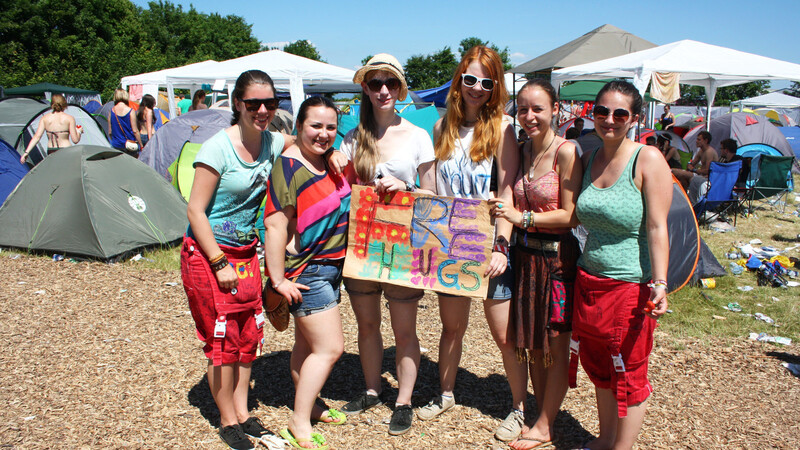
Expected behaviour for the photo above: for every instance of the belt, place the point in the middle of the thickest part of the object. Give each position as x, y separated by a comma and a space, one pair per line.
538, 244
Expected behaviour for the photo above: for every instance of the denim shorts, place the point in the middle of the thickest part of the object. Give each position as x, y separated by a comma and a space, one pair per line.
324, 281
500, 288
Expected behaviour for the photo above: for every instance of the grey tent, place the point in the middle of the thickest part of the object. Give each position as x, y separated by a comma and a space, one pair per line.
194, 126
601, 43
92, 201
15, 113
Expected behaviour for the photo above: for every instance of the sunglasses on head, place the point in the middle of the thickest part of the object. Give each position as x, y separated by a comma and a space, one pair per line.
620, 115
254, 104
487, 84
391, 84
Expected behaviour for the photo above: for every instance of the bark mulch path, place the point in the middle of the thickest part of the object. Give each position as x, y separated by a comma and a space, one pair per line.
98, 355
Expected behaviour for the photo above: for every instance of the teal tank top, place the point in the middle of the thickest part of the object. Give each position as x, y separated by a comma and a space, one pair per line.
616, 246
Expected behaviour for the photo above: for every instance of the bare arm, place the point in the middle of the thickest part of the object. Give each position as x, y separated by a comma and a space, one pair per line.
288, 140
109, 125
135, 129
507, 168
656, 185
74, 134
276, 237
148, 120
203, 187
34, 140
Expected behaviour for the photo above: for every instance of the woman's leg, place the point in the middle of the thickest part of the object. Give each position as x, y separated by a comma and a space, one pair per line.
322, 334
367, 309
550, 392
454, 312
498, 314
404, 324
221, 382
241, 387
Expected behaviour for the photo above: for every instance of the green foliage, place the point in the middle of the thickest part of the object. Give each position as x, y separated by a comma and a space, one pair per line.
91, 44
794, 89
303, 48
366, 60
468, 43
696, 95
428, 71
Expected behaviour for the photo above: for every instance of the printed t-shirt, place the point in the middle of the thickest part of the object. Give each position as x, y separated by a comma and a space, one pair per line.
459, 176
234, 205
322, 210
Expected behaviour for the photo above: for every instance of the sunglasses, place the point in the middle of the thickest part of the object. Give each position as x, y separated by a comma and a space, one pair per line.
620, 115
391, 84
487, 84
254, 104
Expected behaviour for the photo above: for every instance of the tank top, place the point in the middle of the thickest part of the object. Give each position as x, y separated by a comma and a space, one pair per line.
616, 246
121, 130
460, 176
541, 195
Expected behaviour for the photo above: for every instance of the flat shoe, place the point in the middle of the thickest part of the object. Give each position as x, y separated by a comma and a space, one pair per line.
539, 443
316, 439
338, 417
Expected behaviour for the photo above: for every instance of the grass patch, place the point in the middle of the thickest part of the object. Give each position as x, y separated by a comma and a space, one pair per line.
158, 258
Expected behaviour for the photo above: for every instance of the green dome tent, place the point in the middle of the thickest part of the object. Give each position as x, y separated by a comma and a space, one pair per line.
94, 202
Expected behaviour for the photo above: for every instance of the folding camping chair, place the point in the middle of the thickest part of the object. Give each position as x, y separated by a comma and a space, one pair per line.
722, 178
774, 178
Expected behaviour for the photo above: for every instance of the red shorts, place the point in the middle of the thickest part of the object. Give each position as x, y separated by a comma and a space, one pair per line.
608, 319
238, 307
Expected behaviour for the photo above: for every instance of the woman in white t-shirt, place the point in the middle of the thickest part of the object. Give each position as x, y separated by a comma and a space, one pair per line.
389, 153
467, 139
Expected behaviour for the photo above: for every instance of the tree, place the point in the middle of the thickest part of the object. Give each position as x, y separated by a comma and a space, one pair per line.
366, 60
467, 43
429, 71
303, 48
793, 89
696, 95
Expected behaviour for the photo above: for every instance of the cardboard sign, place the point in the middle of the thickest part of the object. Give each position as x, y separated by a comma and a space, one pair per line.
421, 241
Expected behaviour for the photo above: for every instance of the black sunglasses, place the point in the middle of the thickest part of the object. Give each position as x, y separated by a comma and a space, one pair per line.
620, 115
487, 84
254, 104
391, 84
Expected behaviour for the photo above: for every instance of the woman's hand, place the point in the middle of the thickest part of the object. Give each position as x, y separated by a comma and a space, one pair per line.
388, 183
500, 208
497, 265
227, 278
658, 297
337, 161
23, 158
291, 291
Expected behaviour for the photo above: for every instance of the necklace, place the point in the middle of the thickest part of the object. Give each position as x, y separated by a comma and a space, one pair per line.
540, 156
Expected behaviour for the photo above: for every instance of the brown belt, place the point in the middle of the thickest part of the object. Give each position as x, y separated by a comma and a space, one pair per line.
538, 244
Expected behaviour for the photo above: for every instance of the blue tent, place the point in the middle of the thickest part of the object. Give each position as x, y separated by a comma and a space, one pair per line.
755, 151
11, 171
793, 138
424, 118
437, 95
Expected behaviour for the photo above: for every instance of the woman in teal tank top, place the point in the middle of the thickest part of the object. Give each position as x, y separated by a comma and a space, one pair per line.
624, 201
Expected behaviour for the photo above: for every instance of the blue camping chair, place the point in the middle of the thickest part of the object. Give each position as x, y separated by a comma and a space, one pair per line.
722, 178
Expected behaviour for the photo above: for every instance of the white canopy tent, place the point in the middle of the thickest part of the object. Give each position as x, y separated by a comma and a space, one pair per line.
152, 80
289, 72
697, 63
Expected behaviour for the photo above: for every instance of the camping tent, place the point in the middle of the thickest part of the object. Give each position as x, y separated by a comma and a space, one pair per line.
15, 113
194, 126
793, 138
11, 171
744, 128
603, 42
93, 202
780, 102
697, 64
73, 95
289, 72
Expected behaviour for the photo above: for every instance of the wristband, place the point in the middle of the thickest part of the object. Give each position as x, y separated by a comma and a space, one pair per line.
501, 248
657, 284
221, 264
216, 258
410, 187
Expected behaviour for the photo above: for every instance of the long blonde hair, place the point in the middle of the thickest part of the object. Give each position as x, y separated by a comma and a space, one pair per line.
488, 129
366, 156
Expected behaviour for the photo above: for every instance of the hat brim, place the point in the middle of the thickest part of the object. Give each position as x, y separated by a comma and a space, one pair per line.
361, 74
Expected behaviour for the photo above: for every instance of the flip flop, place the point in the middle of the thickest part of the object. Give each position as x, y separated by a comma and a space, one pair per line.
316, 439
539, 442
338, 417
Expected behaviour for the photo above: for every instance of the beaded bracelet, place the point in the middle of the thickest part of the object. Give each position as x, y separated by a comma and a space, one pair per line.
216, 258
657, 284
219, 265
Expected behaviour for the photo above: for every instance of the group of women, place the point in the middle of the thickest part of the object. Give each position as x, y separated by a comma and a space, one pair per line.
546, 299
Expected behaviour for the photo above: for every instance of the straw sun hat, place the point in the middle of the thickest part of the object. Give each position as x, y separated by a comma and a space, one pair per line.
387, 62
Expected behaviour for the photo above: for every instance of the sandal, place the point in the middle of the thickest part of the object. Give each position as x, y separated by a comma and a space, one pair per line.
338, 417
316, 439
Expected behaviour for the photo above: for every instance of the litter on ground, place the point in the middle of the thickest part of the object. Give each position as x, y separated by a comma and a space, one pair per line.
764, 337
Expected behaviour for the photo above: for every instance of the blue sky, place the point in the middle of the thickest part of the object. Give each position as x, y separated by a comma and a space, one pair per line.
346, 31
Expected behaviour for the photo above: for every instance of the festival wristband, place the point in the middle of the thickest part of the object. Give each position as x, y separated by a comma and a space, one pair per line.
501, 248
219, 265
657, 284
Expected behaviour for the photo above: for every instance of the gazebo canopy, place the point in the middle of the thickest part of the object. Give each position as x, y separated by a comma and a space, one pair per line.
604, 42
47, 88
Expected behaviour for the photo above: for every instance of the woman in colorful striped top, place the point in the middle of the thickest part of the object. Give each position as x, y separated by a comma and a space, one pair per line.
305, 217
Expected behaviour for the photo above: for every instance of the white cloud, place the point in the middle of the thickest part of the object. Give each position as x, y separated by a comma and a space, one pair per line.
517, 56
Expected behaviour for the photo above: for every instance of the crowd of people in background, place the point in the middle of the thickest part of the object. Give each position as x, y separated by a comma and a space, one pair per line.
549, 305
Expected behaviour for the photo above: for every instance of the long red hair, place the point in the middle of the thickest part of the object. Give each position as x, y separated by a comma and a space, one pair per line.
488, 129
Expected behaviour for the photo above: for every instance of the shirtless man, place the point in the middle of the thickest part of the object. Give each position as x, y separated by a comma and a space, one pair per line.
699, 165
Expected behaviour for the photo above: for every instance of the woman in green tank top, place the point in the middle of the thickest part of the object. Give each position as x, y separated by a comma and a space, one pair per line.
624, 201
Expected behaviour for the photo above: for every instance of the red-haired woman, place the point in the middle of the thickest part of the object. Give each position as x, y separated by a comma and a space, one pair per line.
468, 139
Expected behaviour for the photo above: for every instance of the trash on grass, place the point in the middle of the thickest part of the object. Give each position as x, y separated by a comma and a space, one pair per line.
775, 299
756, 242
718, 317
745, 288
733, 306
41, 292
765, 318
170, 283
57, 257
735, 269
136, 257
764, 337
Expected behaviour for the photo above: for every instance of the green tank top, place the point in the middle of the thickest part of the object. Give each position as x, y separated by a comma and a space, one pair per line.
615, 219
